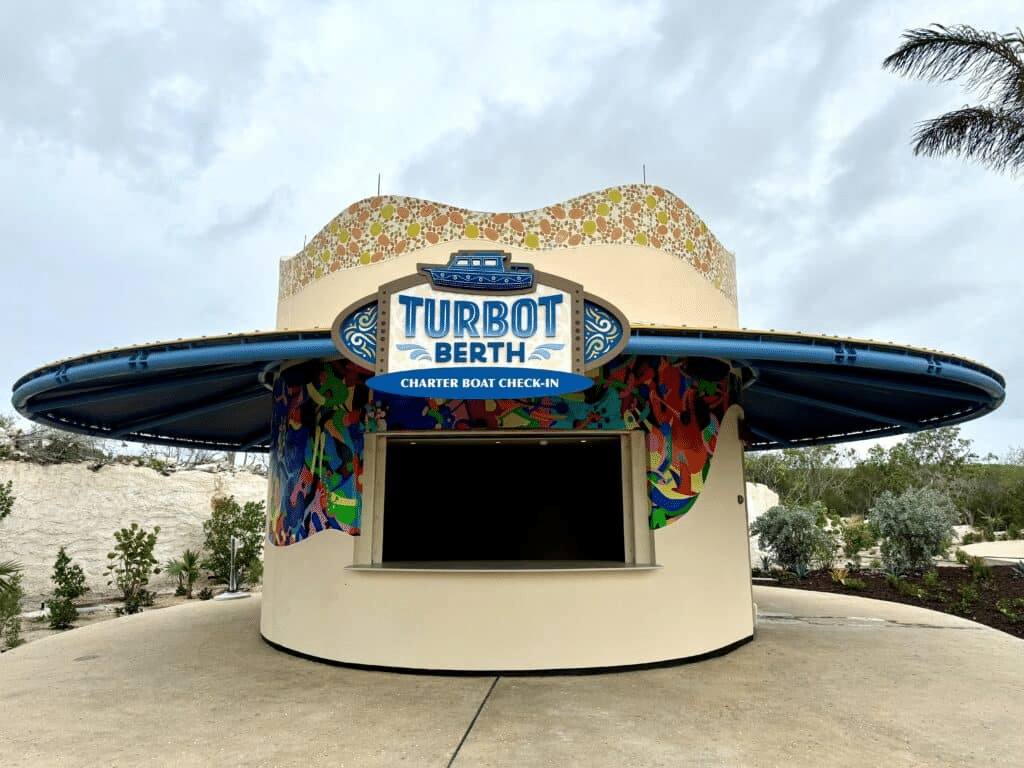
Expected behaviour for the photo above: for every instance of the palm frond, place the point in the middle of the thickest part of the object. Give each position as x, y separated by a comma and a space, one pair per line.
991, 137
8, 569
991, 64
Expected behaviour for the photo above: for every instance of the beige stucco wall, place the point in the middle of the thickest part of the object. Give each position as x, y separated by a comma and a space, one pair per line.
698, 602
650, 286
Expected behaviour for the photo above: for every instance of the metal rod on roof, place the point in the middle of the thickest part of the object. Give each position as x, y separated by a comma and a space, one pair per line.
378, 185
645, 172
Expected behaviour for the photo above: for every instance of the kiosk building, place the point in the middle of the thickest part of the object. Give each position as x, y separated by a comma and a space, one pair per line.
509, 442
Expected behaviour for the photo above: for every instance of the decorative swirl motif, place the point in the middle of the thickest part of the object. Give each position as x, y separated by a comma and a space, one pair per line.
544, 351
416, 351
359, 333
601, 331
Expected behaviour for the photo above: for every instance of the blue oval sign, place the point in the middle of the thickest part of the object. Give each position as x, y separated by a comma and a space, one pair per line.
479, 383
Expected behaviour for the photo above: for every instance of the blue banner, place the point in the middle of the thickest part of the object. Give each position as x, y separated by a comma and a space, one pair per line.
479, 383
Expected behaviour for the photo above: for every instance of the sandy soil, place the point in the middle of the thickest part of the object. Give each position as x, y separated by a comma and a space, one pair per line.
34, 627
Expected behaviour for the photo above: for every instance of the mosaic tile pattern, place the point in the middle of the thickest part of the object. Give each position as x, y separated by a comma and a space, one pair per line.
381, 228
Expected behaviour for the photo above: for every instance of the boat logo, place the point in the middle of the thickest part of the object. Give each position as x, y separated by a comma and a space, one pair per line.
480, 271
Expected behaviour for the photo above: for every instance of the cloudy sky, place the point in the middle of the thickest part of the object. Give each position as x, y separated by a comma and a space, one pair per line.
159, 158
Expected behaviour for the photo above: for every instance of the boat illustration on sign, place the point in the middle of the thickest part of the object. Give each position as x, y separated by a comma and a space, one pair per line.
480, 271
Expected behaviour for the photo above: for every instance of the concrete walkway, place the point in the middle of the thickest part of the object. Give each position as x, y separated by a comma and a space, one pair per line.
829, 680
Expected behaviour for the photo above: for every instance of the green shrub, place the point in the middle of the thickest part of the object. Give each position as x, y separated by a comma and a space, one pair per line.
856, 537
854, 583
131, 565
979, 569
971, 538
931, 578
962, 557
205, 593
914, 527
186, 570
10, 611
790, 534
69, 581
248, 523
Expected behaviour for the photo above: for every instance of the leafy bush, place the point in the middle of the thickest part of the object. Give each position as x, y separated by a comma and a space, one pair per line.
132, 563
971, 538
790, 534
70, 584
10, 585
6, 499
854, 583
914, 527
205, 593
856, 537
10, 611
248, 523
825, 549
979, 569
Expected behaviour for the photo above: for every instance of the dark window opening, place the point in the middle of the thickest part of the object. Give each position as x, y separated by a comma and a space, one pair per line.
473, 500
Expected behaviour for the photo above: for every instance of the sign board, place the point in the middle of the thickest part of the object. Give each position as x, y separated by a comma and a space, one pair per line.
480, 327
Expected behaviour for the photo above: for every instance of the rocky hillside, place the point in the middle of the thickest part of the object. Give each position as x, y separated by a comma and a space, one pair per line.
80, 505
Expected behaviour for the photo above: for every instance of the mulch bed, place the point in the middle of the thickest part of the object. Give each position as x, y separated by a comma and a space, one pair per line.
956, 592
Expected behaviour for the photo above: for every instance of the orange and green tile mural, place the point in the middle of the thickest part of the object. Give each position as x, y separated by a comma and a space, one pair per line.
383, 227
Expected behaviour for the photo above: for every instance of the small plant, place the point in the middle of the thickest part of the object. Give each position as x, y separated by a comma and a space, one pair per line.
10, 611
69, 581
979, 569
839, 575
131, 565
875, 564
1018, 569
968, 595
825, 549
1011, 607
854, 583
801, 570
971, 538
186, 569
931, 578
205, 593
856, 538
902, 586
962, 557
766, 563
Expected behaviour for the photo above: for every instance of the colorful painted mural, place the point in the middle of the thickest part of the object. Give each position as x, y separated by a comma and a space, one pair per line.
323, 409
381, 228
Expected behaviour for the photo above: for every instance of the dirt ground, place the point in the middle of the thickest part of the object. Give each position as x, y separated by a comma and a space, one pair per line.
93, 612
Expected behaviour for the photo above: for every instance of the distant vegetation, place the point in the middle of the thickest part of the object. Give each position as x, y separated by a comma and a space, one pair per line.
985, 493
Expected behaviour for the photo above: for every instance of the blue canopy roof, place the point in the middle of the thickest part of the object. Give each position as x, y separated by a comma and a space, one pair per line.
798, 389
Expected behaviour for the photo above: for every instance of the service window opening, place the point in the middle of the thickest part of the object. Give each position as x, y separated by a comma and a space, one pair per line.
488, 499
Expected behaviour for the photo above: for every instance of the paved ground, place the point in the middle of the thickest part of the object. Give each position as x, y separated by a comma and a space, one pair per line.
829, 680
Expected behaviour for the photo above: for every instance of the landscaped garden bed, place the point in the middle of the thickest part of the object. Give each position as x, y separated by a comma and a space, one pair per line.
992, 595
